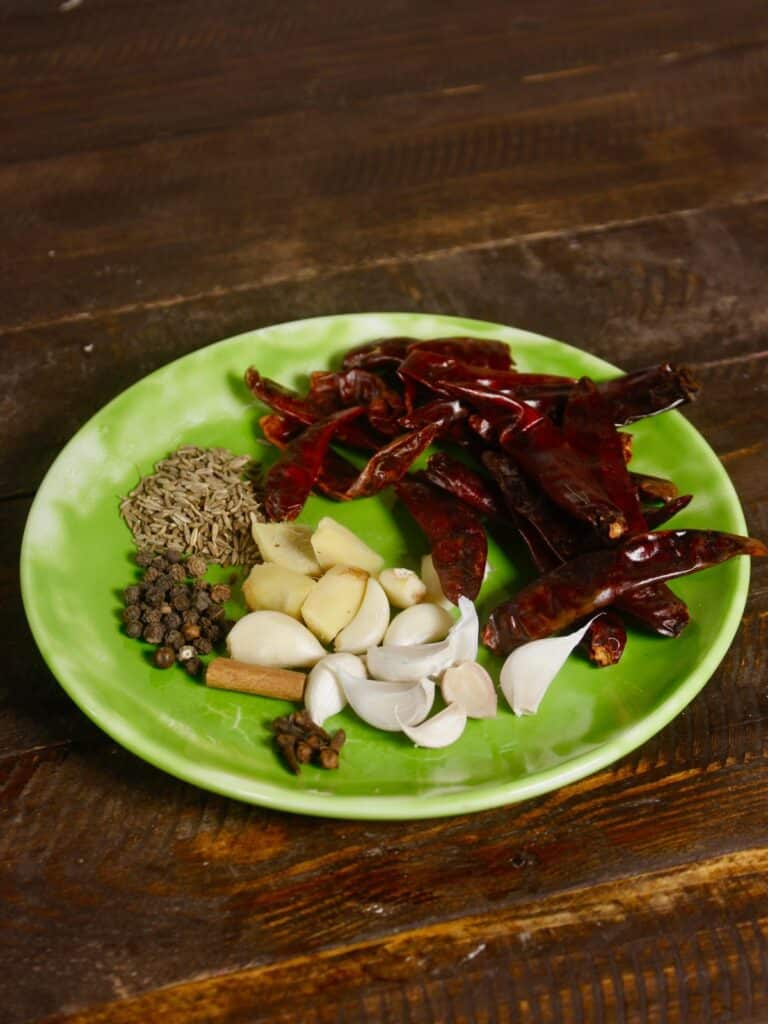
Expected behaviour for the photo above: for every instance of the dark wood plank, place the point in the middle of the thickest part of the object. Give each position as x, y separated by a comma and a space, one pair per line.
686, 287
367, 137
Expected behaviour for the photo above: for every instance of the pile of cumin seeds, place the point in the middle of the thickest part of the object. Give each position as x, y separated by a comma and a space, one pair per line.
199, 501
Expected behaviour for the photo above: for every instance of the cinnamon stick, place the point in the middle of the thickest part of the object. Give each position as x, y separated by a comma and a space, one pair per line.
281, 683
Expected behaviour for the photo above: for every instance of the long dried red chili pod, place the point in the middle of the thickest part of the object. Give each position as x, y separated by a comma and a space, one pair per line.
447, 409
463, 483
393, 461
279, 430
280, 398
291, 478
576, 589
656, 517
653, 488
648, 392
381, 353
605, 639
485, 352
456, 537
588, 427
656, 607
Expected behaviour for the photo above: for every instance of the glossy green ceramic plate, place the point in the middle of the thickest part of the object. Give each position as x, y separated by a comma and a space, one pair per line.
77, 555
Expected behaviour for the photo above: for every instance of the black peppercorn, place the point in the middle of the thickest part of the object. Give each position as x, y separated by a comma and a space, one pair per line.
134, 629
154, 597
151, 614
173, 555
151, 574
159, 562
191, 617
202, 645
181, 602
172, 620
164, 657
216, 612
192, 666
164, 581
191, 631
144, 558
132, 594
132, 613
153, 633
196, 566
174, 638
177, 573
202, 601
220, 593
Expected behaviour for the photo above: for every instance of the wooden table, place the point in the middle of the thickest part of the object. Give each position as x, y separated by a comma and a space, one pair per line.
175, 173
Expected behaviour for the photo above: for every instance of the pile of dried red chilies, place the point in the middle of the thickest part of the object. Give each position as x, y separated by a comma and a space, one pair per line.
548, 461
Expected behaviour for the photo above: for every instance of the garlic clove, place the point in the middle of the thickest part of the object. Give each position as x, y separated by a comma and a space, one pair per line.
273, 639
469, 685
334, 601
407, 664
465, 634
272, 587
432, 583
286, 544
528, 671
379, 702
334, 544
403, 587
369, 624
441, 730
419, 624
323, 694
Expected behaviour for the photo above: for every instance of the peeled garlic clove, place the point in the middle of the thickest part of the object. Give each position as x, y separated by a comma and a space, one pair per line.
465, 634
406, 664
420, 624
334, 544
272, 587
528, 671
441, 730
273, 639
369, 625
323, 694
379, 702
286, 544
403, 587
334, 601
432, 583
469, 685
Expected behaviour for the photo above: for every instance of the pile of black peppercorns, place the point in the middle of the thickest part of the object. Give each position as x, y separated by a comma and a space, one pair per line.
174, 608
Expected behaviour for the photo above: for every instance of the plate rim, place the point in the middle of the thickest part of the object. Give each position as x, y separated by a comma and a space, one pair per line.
373, 806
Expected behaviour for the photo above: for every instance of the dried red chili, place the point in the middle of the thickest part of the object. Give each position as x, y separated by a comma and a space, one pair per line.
593, 580
291, 478
456, 536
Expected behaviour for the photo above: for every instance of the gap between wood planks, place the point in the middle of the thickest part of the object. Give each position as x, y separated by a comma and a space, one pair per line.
472, 933
309, 274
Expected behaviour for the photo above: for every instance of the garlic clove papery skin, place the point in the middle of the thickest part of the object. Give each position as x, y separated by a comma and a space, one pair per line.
275, 640
370, 623
441, 730
465, 633
385, 705
420, 624
324, 694
528, 671
407, 664
469, 685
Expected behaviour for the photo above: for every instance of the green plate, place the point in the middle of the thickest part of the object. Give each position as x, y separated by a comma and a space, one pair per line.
77, 555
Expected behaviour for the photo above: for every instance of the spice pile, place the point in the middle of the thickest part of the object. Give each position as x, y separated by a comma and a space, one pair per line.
175, 609
199, 501
300, 740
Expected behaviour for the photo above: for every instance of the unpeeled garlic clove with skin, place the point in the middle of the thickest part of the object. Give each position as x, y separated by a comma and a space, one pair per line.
528, 671
465, 633
379, 702
420, 624
469, 685
403, 587
370, 623
274, 640
323, 694
407, 664
441, 730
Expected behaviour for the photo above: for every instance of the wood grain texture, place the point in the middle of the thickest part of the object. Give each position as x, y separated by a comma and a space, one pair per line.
175, 173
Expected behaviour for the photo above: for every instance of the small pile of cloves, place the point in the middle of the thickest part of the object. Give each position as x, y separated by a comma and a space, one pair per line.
300, 741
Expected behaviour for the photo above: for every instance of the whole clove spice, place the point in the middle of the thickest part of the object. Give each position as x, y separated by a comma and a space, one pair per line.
300, 741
